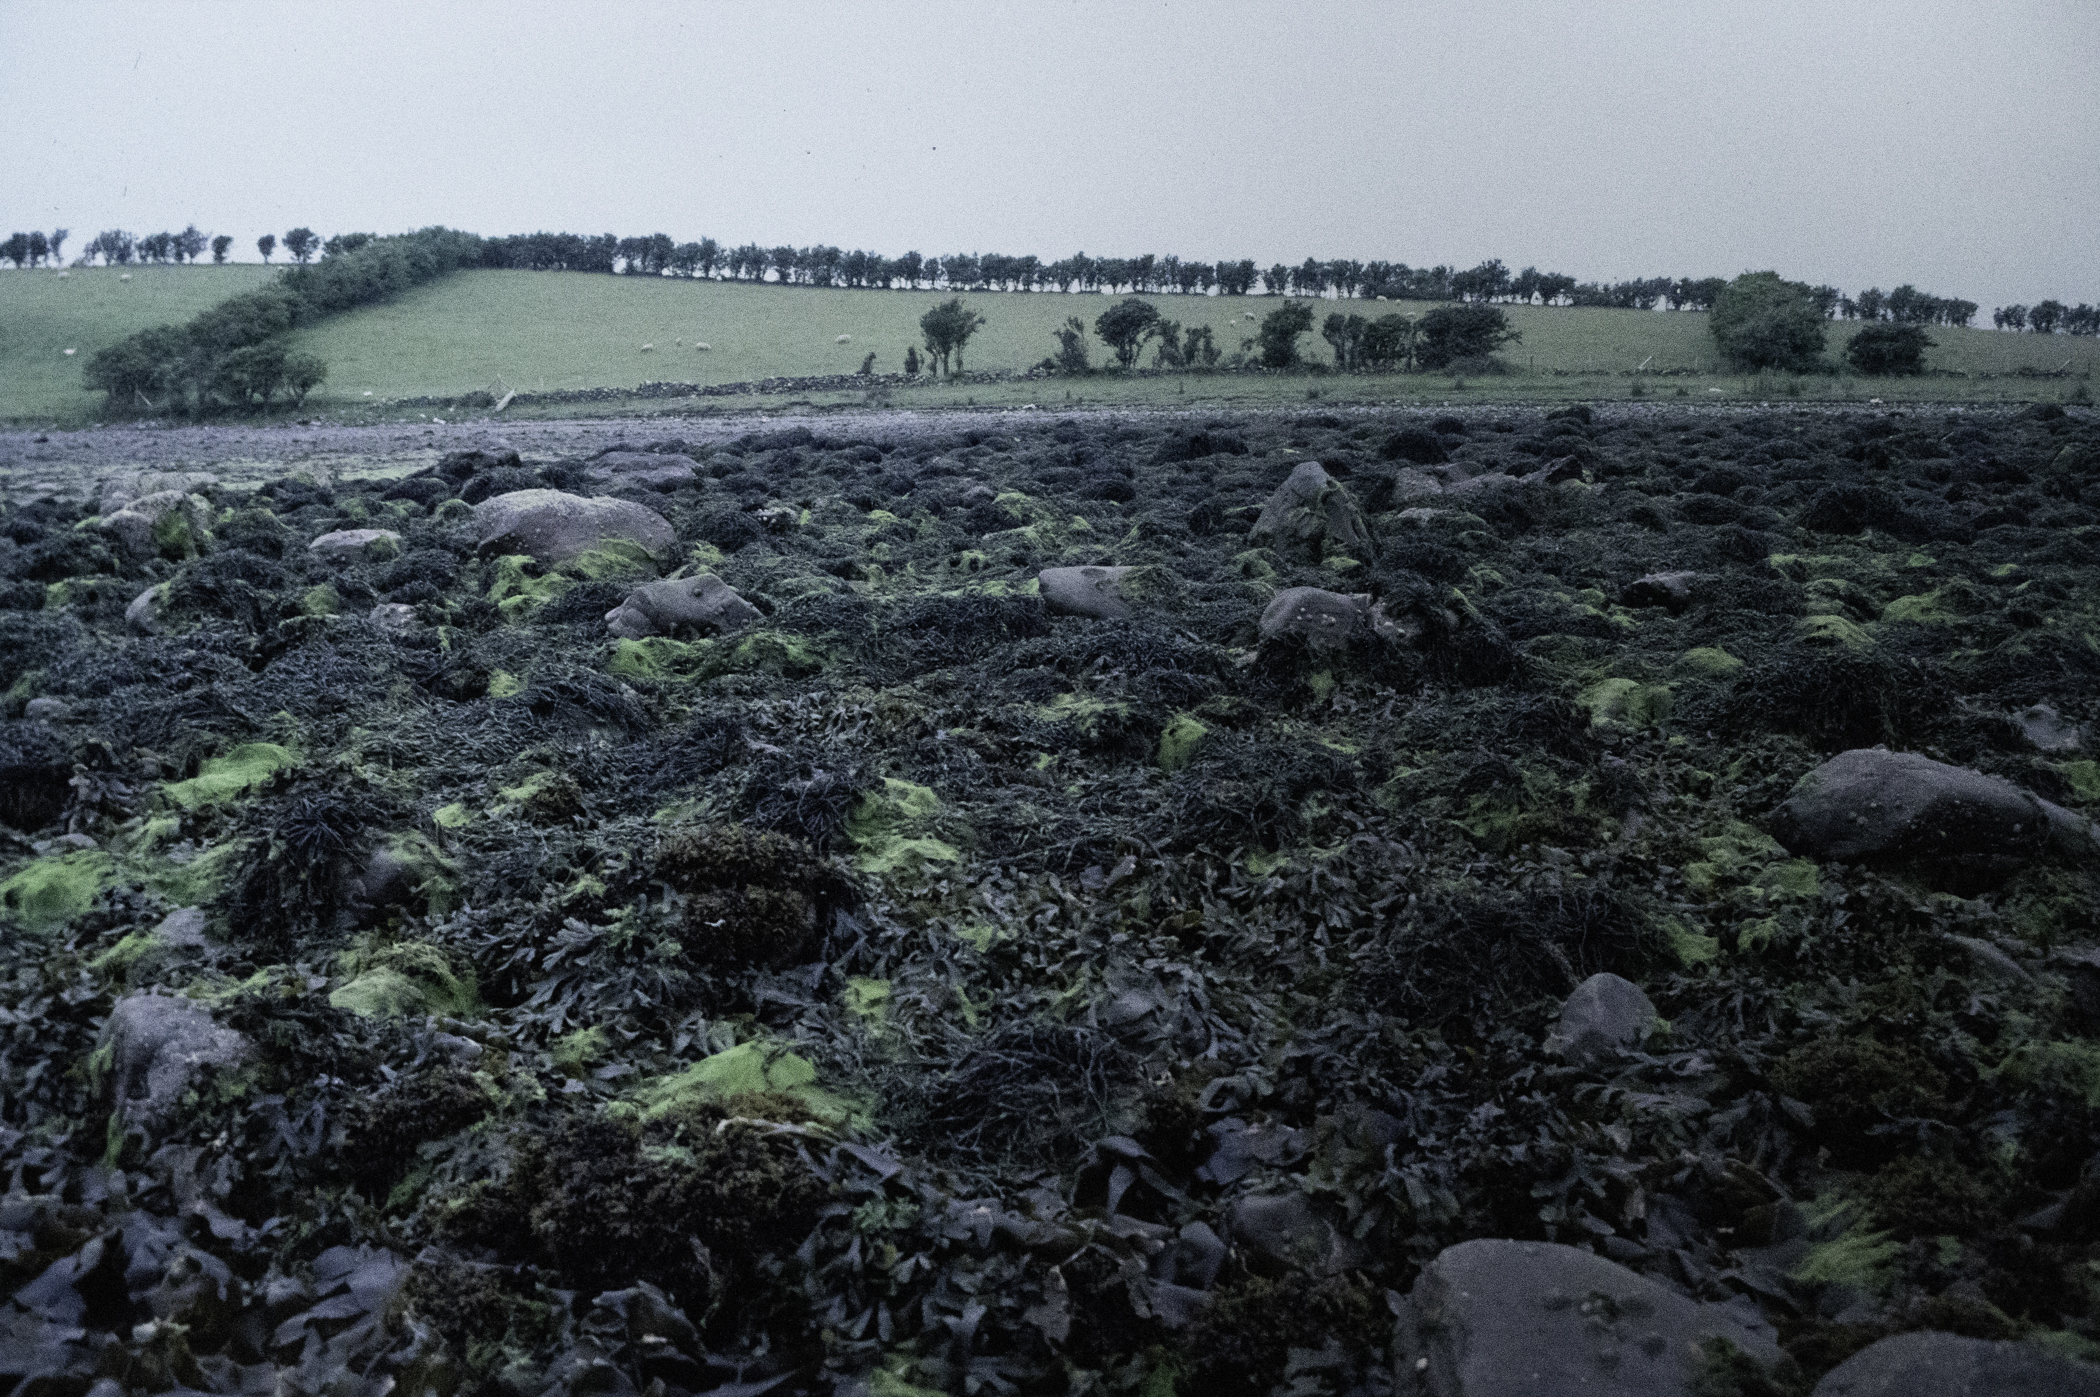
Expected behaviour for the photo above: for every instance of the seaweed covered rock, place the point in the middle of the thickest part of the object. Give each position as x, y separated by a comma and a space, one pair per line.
158, 1047
641, 470
552, 526
1105, 593
167, 523
1490, 1317
460, 466
1312, 515
1932, 1364
2046, 730
749, 897
1328, 620
120, 490
1871, 805
1671, 590
703, 603
1605, 1014
344, 546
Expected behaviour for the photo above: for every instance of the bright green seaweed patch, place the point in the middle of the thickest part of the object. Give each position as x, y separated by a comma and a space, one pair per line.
1626, 703
55, 889
223, 778
890, 828
403, 980
1833, 630
1179, 741
748, 1069
1709, 662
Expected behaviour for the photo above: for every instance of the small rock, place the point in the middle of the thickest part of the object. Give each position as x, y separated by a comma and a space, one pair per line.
703, 602
159, 1046
143, 615
1873, 805
1603, 1015
1491, 1317
1311, 513
120, 490
393, 617
166, 522
553, 526
1085, 591
47, 710
1284, 1228
2048, 731
1666, 589
356, 546
641, 470
183, 927
460, 466
1330, 619
1929, 1364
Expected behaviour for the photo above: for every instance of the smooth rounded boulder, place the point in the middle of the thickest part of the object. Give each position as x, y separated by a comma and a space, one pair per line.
1312, 514
1085, 591
704, 602
159, 1046
1493, 1317
1328, 620
166, 523
553, 526
1605, 1014
356, 546
641, 470
1930, 1364
1871, 805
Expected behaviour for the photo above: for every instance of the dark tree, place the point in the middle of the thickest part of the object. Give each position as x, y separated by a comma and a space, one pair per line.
39, 249
1387, 343
1345, 333
1071, 348
1470, 331
189, 244
343, 243
302, 244
911, 361
1763, 322
302, 374
266, 244
58, 244
2010, 318
1871, 303
1277, 338
2045, 316
948, 327
1885, 350
1125, 326
16, 249
909, 268
1827, 298
220, 246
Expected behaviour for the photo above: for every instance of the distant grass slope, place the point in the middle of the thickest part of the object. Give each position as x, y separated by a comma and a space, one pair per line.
43, 314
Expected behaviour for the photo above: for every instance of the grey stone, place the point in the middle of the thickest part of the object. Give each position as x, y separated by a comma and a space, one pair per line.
1989, 963
356, 546
1312, 514
553, 526
2044, 727
1495, 1317
393, 617
1603, 1015
183, 927
143, 615
171, 517
1330, 619
703, 602
641, 470
159, 1046
47, 710
120, 490
1284, 1228
1930, 1364
1873, 805
1085, 591
1665, 589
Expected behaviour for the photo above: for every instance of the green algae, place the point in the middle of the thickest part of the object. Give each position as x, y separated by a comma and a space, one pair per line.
750, 1069
1709, 662
221, 779
1834, 630
1626, 703
403, 979
1179, 742
321, 600
453, 816
55, 889
867, 998
889, 829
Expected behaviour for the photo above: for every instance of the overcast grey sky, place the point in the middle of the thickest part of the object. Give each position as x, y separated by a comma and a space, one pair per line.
1955, 146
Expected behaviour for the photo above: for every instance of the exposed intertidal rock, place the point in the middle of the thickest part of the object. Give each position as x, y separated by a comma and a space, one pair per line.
702, 603
552, 526
1313, 515
1105, 593
343, 546
1327, 620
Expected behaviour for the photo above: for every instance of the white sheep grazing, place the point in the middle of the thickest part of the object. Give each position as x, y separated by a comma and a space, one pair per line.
71, 352
125, 277
843, 339
702, 344
647, 347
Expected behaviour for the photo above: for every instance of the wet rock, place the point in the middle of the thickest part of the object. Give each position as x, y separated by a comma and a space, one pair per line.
641, 470
1329, 619
553, 526
1603, 1015
2048, 731
1284, 1228
1873, 805
1931, 1364
461, 466
120, 490
704, 602
393, 617
1492, 1317
143, 615
346, 546
1672, 590
159, 1047
1085, 591
167, 522
47, 710
184, 927
1312, 514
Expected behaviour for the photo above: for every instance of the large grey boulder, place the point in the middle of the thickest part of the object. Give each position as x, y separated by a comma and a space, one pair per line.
553, 526
1947, 1365
120, 490
1329, 620
641, 470
1086, 591
159, 1047
143, 615
703, 602
1871, 805
1493, 1318
1312, 514
345, 546
166, 522
1604, 1015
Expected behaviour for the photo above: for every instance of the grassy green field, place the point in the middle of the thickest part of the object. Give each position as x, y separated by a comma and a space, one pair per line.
540, 331
42, 315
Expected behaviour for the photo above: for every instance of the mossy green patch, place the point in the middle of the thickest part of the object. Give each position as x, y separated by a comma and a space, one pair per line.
2083, 778
222, 778
453, 816
1862, 1257
1179, 742
867, 998
1833, 630
403, 979
578, 1051
1626, 703
504, 684
1709, 662
2064, 1067
660, 657
320, 601
1690, 947
890, 830
118, 960
57, 888
1923, 608
1746, 856
776, 653
749, 1069
611, 561
516, 590
199, 878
